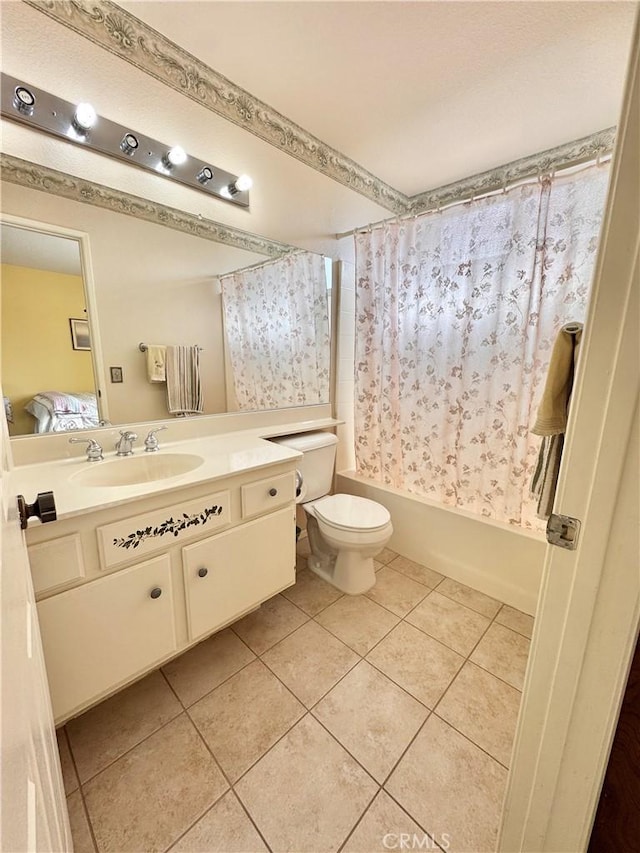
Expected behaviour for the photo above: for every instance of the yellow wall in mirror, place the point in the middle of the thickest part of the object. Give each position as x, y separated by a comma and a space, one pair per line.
36, 307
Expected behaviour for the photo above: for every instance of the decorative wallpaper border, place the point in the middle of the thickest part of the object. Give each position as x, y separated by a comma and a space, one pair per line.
121, 33
36, 177
571, 153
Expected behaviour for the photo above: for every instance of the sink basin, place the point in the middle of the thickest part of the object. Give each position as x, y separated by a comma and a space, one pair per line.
131, 470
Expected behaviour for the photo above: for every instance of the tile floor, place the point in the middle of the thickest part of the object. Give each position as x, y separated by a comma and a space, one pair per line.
320, 722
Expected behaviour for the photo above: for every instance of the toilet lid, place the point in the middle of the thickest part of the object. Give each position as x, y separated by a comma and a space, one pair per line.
351, 513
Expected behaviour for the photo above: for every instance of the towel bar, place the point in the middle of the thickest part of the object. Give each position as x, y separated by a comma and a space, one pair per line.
144, 347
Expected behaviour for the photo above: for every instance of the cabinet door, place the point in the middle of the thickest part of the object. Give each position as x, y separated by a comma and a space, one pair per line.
97, 636
234, 571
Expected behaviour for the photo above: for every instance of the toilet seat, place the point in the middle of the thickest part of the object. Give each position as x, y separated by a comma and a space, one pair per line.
349, 512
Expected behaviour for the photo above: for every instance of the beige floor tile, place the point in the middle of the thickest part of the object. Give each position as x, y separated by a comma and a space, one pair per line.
310, 661
372, 718
504, 653
307, 793
107, 731
385, 556
453, 624
384, 821
377, 566
245, 716
69, 775
396, 592
477, 601
416, 571
151, 795
451, 787
272, 622
80, 832
207, 665
310, 593
357, 621
516, 620
419, 664
224, 829
483, 708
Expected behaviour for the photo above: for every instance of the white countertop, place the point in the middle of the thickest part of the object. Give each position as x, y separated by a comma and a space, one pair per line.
224, 455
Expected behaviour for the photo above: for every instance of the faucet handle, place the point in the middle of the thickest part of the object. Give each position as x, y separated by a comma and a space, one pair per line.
94, 451
151, 442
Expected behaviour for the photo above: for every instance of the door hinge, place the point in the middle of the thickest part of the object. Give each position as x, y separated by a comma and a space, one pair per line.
563, 530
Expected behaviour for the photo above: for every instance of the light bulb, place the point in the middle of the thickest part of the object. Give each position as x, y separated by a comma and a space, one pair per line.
204, 175
243, 183
129, 144
85, 117
176, 156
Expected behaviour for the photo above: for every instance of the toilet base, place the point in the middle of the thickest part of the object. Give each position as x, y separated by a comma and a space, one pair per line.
351, 572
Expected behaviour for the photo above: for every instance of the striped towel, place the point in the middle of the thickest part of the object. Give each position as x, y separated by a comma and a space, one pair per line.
184, 390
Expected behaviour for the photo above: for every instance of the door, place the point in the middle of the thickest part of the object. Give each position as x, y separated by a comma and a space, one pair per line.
33, 808
589, 608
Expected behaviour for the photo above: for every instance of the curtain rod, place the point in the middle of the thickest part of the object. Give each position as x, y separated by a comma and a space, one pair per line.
498, 187
262, 263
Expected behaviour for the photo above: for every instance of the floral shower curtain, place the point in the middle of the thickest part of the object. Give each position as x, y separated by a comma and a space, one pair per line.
277, 327
456, 315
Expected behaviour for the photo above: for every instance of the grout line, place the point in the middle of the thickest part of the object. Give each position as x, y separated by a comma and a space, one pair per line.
471, 741
81, 791
412, 817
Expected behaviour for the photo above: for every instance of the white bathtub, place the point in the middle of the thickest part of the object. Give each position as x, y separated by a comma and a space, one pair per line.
502, 561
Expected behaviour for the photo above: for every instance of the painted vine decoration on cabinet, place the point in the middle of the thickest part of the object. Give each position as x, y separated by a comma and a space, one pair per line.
171, 525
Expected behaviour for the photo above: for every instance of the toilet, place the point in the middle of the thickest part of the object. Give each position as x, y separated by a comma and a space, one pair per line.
345, 532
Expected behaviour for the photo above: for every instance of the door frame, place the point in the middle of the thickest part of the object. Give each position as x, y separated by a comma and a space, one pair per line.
577, 669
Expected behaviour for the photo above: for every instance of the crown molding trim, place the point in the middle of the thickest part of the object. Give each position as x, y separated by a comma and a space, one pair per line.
116, 30
33, 176
563, 156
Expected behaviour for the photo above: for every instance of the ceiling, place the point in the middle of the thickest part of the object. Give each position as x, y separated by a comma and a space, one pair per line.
25, 248
417, 92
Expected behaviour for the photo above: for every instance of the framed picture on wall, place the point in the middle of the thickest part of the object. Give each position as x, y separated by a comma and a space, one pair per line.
80, 333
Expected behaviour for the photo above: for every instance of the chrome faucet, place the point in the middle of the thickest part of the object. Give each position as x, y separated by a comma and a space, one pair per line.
124, 447
94, 451
151, 442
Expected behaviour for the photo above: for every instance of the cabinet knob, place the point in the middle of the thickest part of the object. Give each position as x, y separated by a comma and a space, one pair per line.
273, 492
156, 592
202, 573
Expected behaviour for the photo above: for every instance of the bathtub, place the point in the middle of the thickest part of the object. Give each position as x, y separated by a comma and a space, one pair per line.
502, 561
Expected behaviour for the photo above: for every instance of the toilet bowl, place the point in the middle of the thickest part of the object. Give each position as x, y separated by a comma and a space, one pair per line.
345, 531
345, 534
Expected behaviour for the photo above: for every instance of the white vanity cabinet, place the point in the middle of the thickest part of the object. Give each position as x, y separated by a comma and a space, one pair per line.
197, 559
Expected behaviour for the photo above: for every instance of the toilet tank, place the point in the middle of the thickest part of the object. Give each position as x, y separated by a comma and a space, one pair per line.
317, 464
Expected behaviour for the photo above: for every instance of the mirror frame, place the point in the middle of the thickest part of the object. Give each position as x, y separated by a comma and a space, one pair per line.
82, 240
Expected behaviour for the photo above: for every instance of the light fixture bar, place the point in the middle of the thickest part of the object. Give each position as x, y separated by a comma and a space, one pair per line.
43, 111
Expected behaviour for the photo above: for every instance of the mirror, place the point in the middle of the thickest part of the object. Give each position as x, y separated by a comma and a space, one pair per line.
143, 283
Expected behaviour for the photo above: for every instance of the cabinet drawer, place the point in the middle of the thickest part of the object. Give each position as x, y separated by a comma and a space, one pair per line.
237, 570
98, 635
56, 563
270, 493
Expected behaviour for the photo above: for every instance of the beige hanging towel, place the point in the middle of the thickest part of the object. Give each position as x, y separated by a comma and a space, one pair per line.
184, 389
156, 363
552, 416
554, 405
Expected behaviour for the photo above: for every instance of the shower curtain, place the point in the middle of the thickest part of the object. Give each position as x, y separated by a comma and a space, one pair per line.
456, 315
277, 329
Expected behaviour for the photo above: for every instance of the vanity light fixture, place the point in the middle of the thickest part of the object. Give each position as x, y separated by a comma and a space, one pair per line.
80, 124
204, 175
129, 144
24, 100
84, 118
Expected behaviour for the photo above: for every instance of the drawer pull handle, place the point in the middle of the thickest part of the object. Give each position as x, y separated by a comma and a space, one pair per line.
202, 573
156, 592
273, 492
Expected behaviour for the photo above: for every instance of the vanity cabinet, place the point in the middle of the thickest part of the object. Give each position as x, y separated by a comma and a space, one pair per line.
225, 574
123, 589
